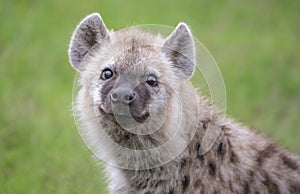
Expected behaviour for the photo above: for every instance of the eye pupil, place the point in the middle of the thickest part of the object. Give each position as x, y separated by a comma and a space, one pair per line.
151, 80
106, 74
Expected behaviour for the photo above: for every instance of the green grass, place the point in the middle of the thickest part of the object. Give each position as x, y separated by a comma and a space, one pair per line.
255, 43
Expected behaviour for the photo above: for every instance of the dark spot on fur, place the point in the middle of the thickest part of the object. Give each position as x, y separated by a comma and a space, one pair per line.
144, 184
198, 183
104, 125
221, 149
224, 128
251, 173
203, 190
294, 188
171, 191
215, 192
185, 182
230, 186
289, 162
199, 156
133, 45
152, 142
183, 163
233, 157
205, 124
246, 188
160, 182
271, 185
266, 153
229, 145
212, 168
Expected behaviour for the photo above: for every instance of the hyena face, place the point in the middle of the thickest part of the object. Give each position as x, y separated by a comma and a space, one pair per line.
131, 77
130, 90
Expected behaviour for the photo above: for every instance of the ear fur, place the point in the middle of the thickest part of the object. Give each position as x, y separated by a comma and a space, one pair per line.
90, 32
179, 48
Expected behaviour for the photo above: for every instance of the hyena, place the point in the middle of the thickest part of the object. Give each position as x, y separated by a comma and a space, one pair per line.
134, 93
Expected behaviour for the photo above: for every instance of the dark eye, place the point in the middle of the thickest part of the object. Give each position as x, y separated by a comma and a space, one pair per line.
151, 80
106, 74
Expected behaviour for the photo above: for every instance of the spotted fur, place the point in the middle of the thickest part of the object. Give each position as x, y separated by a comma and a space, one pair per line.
240, 161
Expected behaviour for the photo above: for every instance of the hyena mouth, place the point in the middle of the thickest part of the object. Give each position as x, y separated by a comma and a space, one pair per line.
125, 118
142, 118
131, 119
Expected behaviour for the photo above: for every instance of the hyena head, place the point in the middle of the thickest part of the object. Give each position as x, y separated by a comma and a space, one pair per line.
131, 80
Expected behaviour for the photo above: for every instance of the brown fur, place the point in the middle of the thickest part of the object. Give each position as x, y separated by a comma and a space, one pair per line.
240, 161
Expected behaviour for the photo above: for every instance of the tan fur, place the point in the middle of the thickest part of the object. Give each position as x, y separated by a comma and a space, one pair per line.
240, 161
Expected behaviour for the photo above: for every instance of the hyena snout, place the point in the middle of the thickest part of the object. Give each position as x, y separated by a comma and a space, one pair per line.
128, 102
123, 95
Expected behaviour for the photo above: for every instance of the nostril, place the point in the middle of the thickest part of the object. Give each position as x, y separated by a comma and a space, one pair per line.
129, 98
123, 95
114, 97
132, 96
126, 97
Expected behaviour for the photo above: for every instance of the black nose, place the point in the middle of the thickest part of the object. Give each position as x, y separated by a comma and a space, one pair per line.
123, 95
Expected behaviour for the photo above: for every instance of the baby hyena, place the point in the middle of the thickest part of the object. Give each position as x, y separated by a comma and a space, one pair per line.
137, 112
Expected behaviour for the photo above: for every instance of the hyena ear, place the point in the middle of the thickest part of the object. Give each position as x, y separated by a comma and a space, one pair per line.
90, 32
179, 48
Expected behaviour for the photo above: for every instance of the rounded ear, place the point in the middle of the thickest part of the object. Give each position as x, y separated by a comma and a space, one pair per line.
90, 32
179, 48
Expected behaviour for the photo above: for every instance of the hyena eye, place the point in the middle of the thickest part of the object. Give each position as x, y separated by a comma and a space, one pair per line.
106, 74
151, 80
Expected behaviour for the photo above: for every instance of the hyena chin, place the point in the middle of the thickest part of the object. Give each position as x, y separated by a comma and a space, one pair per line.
137, 111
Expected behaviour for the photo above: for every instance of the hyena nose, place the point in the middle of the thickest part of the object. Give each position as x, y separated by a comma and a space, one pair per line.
123, 95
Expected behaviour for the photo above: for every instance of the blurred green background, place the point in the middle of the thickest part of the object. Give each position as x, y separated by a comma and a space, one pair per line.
255, 43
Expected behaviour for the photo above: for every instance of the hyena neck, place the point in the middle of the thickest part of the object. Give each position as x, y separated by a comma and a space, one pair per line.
165, 178
227, 167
